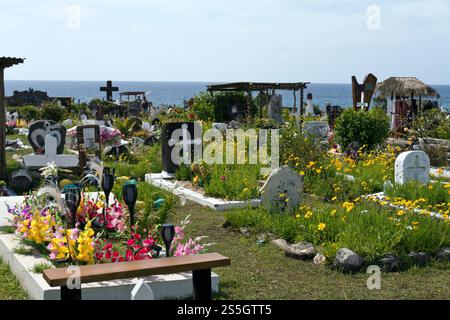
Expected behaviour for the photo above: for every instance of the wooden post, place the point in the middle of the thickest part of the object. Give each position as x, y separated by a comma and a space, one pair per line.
301, 101
249, 104
201, 280
260, 104
2, 126
294, 109
420, 105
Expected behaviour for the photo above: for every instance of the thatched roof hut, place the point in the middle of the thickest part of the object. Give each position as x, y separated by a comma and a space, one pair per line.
405, 87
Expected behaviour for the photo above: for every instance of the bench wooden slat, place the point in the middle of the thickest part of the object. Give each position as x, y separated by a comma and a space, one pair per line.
57, 277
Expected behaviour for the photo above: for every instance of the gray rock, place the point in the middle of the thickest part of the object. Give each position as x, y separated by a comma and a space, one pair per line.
444, 254
301, 251
419, 258
319, 259
390, 263
347, 260
281, 243
263, 237
244, 232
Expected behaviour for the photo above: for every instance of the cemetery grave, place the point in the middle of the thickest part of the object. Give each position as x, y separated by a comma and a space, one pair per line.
323, 206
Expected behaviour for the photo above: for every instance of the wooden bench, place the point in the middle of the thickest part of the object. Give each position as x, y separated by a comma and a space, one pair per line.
200, 265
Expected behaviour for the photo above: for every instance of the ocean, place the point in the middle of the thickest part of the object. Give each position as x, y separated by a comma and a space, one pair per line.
170, 93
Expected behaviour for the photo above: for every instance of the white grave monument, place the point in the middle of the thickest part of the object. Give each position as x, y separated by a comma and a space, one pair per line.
309, 105
412, 165
61, 160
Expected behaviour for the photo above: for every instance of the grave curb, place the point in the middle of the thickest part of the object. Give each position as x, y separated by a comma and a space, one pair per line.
213, 203
381, 196
171, 286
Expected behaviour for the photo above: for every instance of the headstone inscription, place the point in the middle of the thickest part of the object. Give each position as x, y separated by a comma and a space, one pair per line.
283, 190
412, 165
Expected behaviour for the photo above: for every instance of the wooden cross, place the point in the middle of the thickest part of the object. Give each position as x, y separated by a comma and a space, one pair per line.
109, 90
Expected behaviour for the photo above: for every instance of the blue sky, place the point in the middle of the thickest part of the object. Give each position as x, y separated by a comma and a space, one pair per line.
226, 40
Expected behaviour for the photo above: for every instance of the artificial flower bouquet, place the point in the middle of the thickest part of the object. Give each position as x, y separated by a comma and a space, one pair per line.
101, 234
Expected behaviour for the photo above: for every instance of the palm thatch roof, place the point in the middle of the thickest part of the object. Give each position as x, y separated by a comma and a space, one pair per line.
405, 87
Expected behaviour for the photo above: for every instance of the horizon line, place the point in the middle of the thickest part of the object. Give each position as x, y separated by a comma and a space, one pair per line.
194, 81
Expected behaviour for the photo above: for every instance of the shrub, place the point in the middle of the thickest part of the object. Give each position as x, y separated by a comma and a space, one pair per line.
216, 107
296, 150
432, 124
28, 113
203, 107
52, 111
368, 128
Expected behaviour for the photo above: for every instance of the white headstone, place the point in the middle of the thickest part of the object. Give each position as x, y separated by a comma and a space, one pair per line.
309, 108
412, 165
282, 190
51, 144
316, 128
142, 291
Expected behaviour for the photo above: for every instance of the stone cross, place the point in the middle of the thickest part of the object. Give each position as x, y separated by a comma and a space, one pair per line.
412, 165
51, 155
109, 90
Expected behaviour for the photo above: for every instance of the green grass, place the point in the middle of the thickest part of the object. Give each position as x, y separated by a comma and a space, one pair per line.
264, 272
23, 250
432, 193
148, 160
10, 288
368, 229
40, 267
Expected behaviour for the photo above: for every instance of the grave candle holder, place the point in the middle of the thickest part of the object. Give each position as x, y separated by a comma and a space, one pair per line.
130, 193
167, 234
107, 186
72, 197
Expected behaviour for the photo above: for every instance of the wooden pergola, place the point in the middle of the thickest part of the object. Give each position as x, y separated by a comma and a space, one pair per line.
5, 62
263, 87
